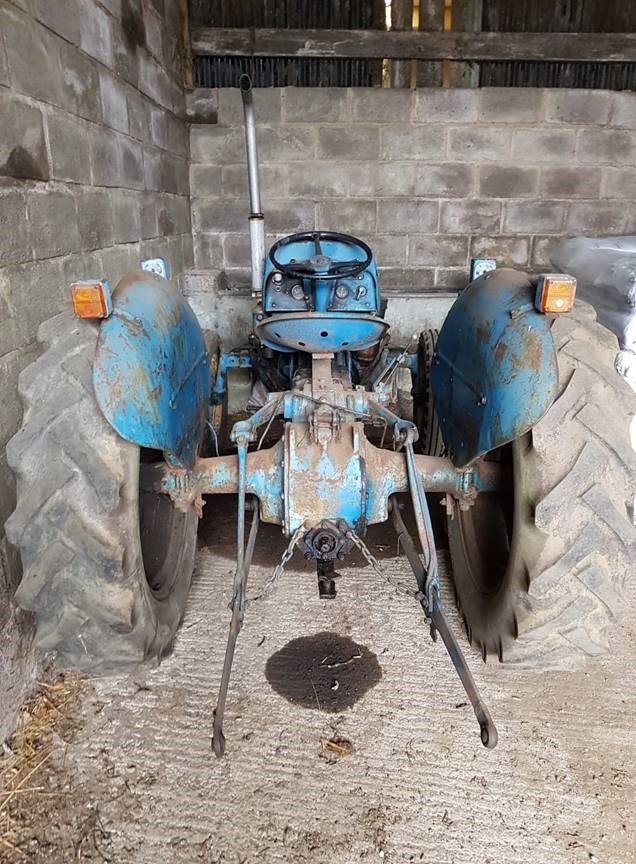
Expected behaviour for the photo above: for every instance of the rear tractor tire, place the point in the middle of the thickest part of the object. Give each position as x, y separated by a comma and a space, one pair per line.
107, 563
540, 571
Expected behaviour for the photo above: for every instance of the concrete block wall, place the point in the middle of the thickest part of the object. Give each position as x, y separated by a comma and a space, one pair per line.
93, 177
429, 178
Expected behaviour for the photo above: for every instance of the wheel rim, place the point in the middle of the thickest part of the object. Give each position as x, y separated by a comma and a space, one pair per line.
486, 542
489, 567
162, 530
430, 437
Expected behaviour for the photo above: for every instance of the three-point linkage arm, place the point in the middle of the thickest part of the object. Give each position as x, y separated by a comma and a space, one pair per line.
248, 428
433, 610
426, 572
242, 434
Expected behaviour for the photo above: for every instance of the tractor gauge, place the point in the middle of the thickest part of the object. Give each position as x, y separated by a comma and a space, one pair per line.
479, 266
342, 292
159, 266
298, 292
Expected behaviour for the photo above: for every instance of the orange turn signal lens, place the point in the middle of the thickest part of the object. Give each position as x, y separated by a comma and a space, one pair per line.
555, 293
91, 299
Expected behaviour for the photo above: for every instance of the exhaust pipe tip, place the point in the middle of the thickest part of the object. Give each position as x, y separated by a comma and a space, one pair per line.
245, 86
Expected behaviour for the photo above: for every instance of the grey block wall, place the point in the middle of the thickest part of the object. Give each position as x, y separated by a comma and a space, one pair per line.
93, 177
429, 178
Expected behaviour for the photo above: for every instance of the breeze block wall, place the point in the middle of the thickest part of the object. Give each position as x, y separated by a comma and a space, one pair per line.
93, 177
429, 178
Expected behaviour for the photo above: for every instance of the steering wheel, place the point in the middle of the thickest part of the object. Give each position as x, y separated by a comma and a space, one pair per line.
320, 266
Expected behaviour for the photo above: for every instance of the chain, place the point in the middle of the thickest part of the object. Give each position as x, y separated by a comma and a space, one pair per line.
280, 567
399, 587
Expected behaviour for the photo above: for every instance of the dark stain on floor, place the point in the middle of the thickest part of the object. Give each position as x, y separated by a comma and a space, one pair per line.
325, 671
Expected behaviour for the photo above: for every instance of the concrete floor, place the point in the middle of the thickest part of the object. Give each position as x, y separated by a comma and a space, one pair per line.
417, 786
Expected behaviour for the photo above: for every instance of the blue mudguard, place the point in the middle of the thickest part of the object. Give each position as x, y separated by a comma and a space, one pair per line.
151, 372
494, 373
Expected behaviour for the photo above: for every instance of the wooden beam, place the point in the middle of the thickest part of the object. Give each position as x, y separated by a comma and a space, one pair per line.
431, 18
378, 22
401, 19
466, 17
413, 45
186, 47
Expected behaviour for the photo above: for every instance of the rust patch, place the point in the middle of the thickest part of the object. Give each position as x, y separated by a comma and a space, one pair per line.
500, 351
532, 351
130, 278
483, 334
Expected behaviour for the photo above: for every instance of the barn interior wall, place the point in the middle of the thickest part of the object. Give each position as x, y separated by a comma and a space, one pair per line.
429, 178
93, 177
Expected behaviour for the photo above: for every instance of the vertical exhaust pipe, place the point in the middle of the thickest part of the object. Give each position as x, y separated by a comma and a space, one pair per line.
256, 219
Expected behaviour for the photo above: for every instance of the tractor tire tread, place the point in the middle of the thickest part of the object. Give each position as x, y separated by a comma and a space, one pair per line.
75, 521
584, 480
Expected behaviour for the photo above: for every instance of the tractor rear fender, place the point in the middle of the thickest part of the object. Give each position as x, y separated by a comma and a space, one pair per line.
494, 372
151, 372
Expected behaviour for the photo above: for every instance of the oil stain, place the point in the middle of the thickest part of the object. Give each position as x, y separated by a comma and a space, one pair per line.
325, 671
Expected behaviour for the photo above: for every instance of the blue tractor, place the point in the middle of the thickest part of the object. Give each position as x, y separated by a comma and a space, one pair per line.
518, 426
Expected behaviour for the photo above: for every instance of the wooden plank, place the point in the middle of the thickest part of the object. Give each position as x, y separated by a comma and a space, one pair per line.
186, 50
466, 16
413, 45
378, 22
401, 19
431, 19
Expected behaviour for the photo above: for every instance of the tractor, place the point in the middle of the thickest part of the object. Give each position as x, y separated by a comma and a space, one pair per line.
513, 419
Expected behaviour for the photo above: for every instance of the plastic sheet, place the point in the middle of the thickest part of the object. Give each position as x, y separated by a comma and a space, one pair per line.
605, 269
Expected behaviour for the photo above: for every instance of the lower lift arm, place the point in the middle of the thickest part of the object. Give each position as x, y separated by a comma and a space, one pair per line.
429, 599
426, 573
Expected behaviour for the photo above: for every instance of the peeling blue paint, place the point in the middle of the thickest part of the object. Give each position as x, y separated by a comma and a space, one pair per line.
495, 372
319, 332
322, 483
151, 372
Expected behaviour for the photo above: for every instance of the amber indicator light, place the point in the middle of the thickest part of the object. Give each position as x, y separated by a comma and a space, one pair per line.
91, 299
555, 293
